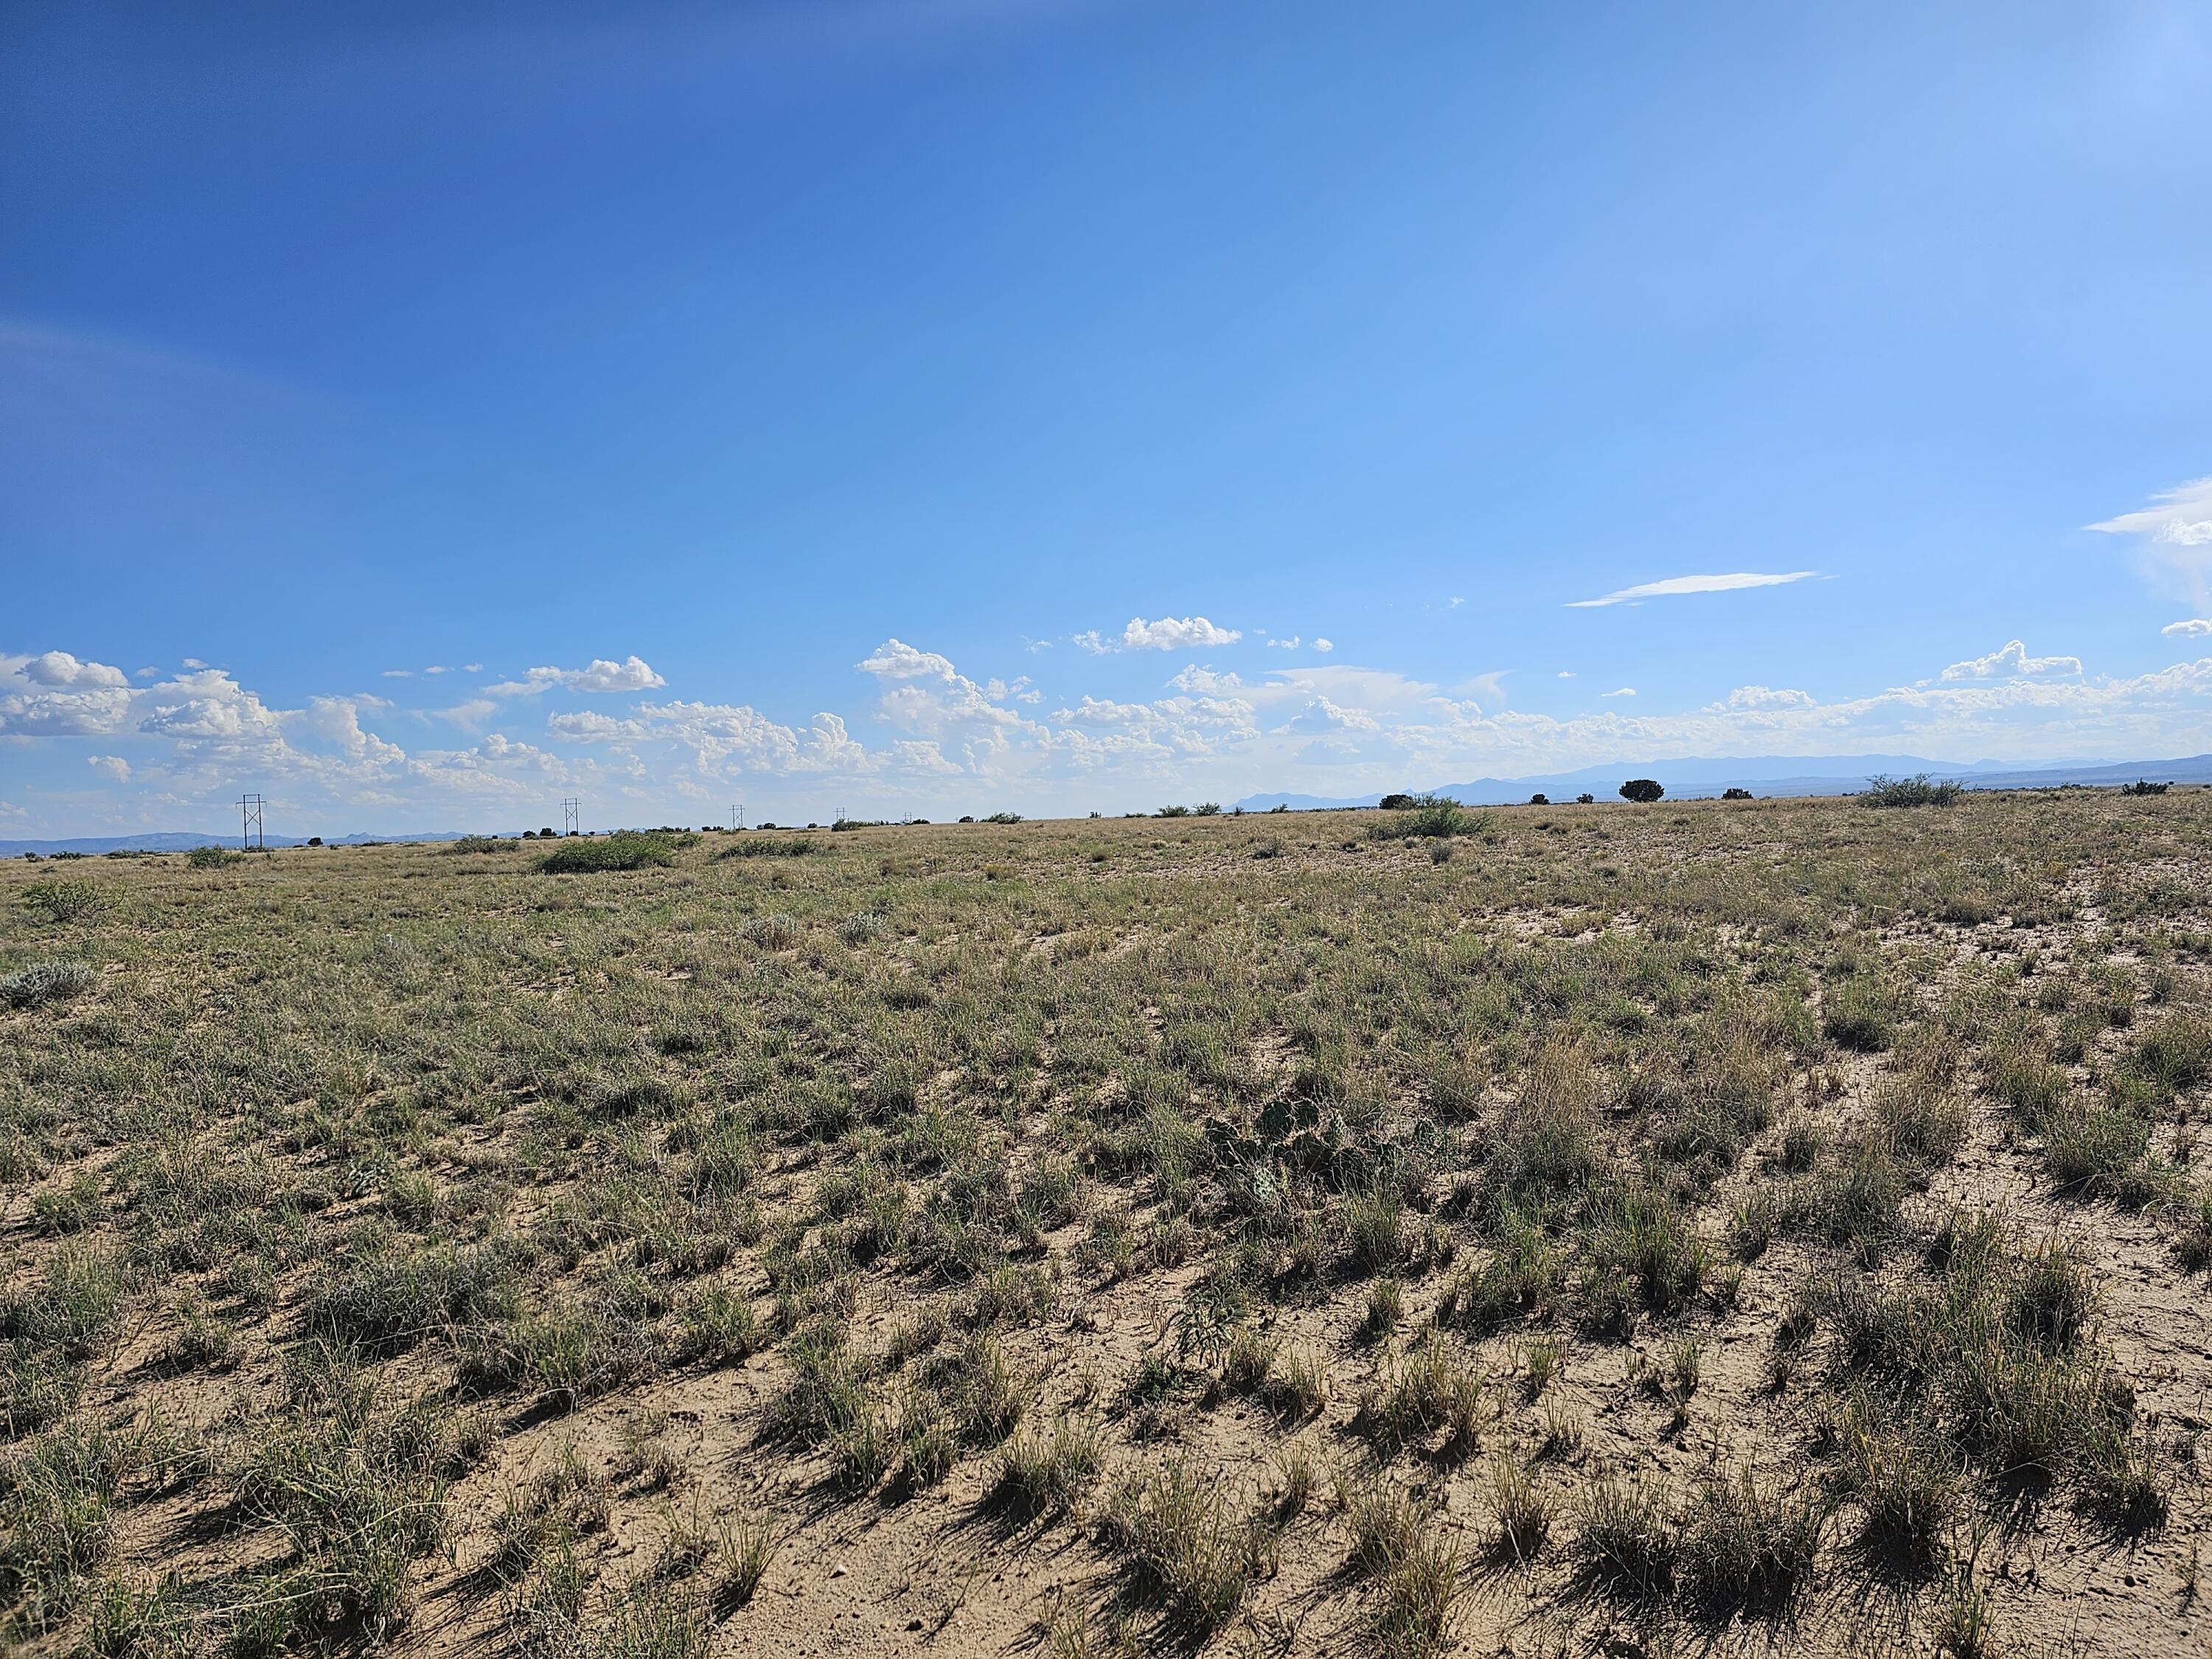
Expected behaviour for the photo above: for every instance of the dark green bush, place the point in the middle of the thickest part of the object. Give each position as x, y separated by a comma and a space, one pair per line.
761, 847
625, 849
1918, 790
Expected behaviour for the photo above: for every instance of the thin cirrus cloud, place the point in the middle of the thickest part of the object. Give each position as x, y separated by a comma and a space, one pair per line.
2171, 539
2179, 517
1676, 585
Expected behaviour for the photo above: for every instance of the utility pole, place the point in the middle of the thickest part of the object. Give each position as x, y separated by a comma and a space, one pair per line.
249, 824
570, 820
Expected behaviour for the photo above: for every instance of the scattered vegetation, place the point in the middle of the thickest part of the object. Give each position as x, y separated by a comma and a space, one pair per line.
603, 1266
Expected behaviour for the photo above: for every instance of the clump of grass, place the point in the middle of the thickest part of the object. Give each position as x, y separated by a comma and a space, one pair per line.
1385, 1520
1050, 1468
1434, 1387
391, 1299
76, 1310
1749, 1545
57, 979
744, 1550
1523, 1510
1395, 1540
1631, 1542
57, 1501
1996, 1349
1549, 1138
1177, 1526
777, 931
1906, 1480
1859, 1012
1965, 1625
356, 1483
1297, 1385
1374, 1219
625, 849
1386, 1307
1643, 1250
1859, 1202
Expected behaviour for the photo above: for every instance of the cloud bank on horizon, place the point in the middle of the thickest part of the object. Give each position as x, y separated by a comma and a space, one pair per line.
928, 739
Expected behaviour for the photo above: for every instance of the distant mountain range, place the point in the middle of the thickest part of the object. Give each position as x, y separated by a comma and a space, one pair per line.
1776, 774
1684, 780
174, 841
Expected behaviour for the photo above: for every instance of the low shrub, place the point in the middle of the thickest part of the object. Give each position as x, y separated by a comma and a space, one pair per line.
1434, 816
64, 900
55, 980
1918, 790
625, 849
764, 847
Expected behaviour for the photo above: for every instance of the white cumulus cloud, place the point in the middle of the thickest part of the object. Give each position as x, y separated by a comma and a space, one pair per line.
632, 673
113, 766
1763, 696
2196, 628
1168, 633
2010, 662
61, 670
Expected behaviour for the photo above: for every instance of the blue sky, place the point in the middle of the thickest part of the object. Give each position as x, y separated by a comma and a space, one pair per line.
424, 414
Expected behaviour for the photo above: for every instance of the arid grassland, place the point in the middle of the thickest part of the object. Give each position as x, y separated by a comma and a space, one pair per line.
1731, 1227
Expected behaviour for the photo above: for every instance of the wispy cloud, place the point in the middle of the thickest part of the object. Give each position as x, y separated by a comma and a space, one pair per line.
1674, 585
1625, 691
2172, 536
2179, 517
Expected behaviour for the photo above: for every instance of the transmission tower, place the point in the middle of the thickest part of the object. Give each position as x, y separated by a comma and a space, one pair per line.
570, 819
249, 824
